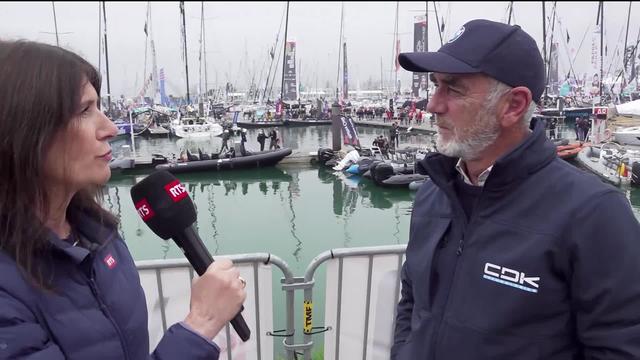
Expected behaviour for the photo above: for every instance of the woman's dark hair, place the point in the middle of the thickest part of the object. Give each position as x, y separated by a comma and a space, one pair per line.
40, 92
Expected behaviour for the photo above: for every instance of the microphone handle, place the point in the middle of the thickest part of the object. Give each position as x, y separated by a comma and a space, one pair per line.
200, 258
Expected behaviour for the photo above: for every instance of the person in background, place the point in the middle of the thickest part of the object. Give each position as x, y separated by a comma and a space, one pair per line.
261, 139
510, 255
273, 139
585, 126
226, 135
243, 140
578, 128
69, 287
552, 128
393, 135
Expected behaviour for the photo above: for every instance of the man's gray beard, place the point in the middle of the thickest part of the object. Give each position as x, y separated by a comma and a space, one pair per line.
477, 138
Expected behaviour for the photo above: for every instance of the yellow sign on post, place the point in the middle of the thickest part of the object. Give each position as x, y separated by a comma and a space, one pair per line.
308, 315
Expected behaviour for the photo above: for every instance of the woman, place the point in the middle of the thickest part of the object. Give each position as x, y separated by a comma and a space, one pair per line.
69, 287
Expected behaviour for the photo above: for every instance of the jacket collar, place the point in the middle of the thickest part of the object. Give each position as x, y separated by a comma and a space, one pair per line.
93, 232
533, 153
461, 168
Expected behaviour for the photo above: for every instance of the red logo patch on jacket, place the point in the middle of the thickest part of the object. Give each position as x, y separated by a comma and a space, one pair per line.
110, 261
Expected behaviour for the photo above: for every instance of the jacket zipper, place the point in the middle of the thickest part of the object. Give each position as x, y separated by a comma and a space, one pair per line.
459, 252
105, 310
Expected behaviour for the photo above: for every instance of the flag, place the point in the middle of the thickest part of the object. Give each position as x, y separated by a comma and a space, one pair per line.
568, 36
623, 170
349, 132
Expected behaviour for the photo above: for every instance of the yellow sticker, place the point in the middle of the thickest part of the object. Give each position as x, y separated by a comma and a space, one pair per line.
308, 314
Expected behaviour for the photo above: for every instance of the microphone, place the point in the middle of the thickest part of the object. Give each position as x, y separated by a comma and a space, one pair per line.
165, 206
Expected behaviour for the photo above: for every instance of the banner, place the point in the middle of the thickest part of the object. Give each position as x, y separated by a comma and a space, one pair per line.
290, 90
595, 66
235, 119
419, 82
553, 69
163, 94
349, 132
345, 84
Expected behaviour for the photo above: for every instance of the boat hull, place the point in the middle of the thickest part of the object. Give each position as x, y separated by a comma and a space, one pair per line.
260, 159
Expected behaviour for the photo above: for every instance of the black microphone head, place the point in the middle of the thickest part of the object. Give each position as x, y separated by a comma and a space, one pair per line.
163, 203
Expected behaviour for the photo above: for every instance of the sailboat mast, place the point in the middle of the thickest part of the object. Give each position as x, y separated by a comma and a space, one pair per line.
425, 41
601, 47
426, 30
200, 58
339, 52
510, 12
551, 55
55, 22
186, 60
381, 79
544, 43
284, 53
271, 55
395, 51
106, 55
626, 36
435, 8
204, 54
99, 38
299, 78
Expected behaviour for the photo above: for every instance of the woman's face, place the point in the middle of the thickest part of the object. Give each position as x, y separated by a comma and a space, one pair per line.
79, 155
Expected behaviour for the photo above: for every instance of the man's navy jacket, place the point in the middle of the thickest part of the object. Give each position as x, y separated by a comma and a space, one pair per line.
96, 308
546, 267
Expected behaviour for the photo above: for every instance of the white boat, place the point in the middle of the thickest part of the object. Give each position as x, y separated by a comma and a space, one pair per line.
628, 136
611, 162
196, 128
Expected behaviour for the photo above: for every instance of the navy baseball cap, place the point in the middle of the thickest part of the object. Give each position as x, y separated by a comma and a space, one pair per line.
503, 52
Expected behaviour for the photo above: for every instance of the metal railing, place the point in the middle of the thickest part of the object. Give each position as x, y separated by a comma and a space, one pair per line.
352, 331
173, 300
341, 256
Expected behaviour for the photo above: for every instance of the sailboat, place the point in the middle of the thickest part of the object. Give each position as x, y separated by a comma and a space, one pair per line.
200, 126
570, 114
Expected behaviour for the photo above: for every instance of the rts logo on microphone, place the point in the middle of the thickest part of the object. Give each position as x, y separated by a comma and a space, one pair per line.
176, 191
144, 209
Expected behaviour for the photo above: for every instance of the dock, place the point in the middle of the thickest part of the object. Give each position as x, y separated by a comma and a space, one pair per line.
424, 128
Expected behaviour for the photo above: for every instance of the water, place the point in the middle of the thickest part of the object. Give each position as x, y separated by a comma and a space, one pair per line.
294, 212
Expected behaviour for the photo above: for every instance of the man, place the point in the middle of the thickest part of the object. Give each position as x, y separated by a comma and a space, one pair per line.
578, 128
513, 253
552, 128
273, 140
261, 139
393, 135
243, 140
225, 138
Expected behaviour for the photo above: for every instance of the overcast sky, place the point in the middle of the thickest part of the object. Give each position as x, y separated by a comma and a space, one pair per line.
239, 34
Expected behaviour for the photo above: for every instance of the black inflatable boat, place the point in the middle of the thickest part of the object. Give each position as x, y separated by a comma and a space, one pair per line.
253, 160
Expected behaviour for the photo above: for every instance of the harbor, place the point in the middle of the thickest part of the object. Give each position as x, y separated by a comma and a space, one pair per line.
298, 136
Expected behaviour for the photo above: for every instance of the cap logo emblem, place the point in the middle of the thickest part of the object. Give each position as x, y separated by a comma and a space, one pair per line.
456, 35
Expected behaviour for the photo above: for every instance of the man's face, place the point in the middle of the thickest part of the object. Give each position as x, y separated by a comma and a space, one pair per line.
467, 124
